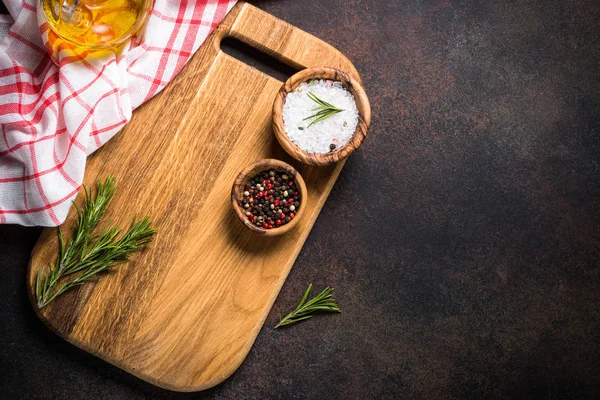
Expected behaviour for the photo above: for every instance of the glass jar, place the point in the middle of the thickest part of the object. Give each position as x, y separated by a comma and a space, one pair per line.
96, 24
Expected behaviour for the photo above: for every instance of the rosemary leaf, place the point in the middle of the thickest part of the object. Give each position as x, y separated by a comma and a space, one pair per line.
324, 301
317, 100
87, 255
325, 110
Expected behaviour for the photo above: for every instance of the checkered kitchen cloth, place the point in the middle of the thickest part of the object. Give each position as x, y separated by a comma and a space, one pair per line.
55, 112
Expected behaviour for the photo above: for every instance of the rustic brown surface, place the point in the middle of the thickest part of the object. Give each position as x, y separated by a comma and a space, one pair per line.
362, 104
462, 238
184, 313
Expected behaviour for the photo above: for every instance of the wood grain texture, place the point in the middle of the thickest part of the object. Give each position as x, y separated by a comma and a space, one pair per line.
362, 105
184, 313
250, 172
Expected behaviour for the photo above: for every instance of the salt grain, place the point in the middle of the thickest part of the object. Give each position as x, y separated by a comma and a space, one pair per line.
337, 129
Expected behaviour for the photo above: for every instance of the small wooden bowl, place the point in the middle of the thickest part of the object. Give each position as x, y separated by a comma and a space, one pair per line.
237, 193
362, 105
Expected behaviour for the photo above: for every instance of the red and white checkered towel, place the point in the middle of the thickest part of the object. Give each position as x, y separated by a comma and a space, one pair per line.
53, 114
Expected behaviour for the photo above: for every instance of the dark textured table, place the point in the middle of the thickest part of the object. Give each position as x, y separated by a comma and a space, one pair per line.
463, 239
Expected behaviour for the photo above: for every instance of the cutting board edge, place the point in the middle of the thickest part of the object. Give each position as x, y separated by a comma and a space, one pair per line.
244, 8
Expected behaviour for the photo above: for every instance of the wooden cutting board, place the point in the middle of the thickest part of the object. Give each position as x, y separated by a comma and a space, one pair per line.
184, 313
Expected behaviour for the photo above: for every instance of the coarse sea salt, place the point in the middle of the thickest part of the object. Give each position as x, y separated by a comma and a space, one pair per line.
337, 129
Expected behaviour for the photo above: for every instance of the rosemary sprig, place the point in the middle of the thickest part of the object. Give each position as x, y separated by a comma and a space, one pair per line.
87, 253
325, 110
324, 301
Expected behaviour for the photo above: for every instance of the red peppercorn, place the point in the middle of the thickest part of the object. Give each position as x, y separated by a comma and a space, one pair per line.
267, 181
278, 222
265, 225
290, 183
276, 202
269, 186
290, 200
292, 215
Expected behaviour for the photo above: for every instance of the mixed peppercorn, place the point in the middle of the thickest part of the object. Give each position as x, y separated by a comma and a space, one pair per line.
270, 199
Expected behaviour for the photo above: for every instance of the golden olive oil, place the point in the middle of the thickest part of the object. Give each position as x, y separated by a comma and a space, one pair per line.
96, 23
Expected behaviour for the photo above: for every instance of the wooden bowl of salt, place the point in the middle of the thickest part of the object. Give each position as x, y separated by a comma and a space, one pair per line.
321, 115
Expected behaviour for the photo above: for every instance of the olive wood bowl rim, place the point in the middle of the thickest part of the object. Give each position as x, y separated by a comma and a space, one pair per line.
249, 172
362, 104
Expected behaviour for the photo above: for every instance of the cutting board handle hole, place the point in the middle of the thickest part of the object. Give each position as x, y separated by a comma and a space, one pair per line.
257, 59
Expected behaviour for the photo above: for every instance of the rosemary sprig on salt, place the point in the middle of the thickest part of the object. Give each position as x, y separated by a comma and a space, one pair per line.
323, 110
307, 128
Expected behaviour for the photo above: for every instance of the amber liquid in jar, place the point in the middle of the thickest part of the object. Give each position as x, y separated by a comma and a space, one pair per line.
96, 23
